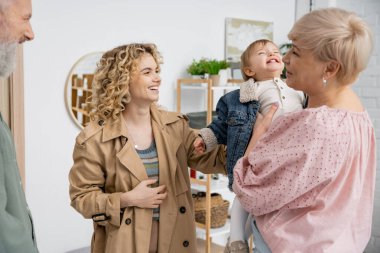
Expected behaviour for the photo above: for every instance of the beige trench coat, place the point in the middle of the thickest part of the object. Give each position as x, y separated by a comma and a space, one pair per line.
106, 165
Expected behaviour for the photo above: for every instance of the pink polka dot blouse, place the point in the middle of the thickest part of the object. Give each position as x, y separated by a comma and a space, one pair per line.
310, 181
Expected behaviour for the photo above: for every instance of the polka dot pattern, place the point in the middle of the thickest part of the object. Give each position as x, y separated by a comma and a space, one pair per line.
300, 154
310, 181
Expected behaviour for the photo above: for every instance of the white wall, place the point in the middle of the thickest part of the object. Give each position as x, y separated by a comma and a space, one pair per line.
66, 30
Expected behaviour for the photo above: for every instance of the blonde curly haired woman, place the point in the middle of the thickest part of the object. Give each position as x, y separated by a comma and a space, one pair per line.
130, 172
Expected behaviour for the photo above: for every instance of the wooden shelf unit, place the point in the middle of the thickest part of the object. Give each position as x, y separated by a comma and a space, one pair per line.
206, 84
81, 90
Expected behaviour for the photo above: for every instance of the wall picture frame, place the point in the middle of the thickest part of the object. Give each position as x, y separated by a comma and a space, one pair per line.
242, 32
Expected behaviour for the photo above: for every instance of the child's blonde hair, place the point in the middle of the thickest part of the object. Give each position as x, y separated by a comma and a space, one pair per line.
244, 58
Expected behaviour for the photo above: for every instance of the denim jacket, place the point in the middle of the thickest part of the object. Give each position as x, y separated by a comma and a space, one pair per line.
233, 127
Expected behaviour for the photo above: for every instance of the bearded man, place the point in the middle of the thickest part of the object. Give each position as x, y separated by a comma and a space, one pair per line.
16, 226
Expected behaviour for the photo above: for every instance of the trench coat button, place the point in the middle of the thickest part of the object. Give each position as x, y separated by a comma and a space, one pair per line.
101, 122
182, 209
283, 97
128, 221
185, 244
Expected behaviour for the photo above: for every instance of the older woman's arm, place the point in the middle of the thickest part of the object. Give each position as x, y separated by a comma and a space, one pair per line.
262, 125
291, 163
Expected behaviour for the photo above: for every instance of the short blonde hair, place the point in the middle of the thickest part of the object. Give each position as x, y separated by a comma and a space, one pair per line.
338, 35
113, 76
246, 55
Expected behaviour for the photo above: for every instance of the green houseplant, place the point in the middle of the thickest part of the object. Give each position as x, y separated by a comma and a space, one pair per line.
213, 66
214, 69
209, 66
197, 67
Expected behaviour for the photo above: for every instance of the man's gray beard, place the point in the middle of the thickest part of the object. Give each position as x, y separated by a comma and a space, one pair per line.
7, 58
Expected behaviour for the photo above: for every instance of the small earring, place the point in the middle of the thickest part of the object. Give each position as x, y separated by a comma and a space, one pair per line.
324, 82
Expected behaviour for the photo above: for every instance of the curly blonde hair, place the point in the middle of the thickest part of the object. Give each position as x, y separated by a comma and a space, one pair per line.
113, 76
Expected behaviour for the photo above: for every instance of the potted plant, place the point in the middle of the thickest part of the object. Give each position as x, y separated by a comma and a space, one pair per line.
216, 69
213, 66
197, 68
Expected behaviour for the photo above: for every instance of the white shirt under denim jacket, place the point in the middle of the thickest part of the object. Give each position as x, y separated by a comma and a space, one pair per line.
266, 93
272, 91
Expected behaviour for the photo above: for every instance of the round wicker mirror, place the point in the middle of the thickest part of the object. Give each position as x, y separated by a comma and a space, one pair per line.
79, 87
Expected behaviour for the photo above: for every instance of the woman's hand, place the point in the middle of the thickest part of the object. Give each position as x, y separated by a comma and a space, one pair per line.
144, 196
262, 125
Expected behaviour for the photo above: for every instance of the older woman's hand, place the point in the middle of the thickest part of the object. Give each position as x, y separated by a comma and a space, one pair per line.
262, 125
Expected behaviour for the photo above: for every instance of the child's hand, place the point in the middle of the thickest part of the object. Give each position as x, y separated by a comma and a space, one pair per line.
199, 146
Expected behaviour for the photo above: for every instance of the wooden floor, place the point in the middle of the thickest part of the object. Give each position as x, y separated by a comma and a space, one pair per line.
215, 248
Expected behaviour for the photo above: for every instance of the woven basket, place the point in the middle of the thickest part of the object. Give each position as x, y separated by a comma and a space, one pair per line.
219, 209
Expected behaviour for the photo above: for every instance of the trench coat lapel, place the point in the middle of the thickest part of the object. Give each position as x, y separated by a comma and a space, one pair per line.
132, 162
127, 155
167, 147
